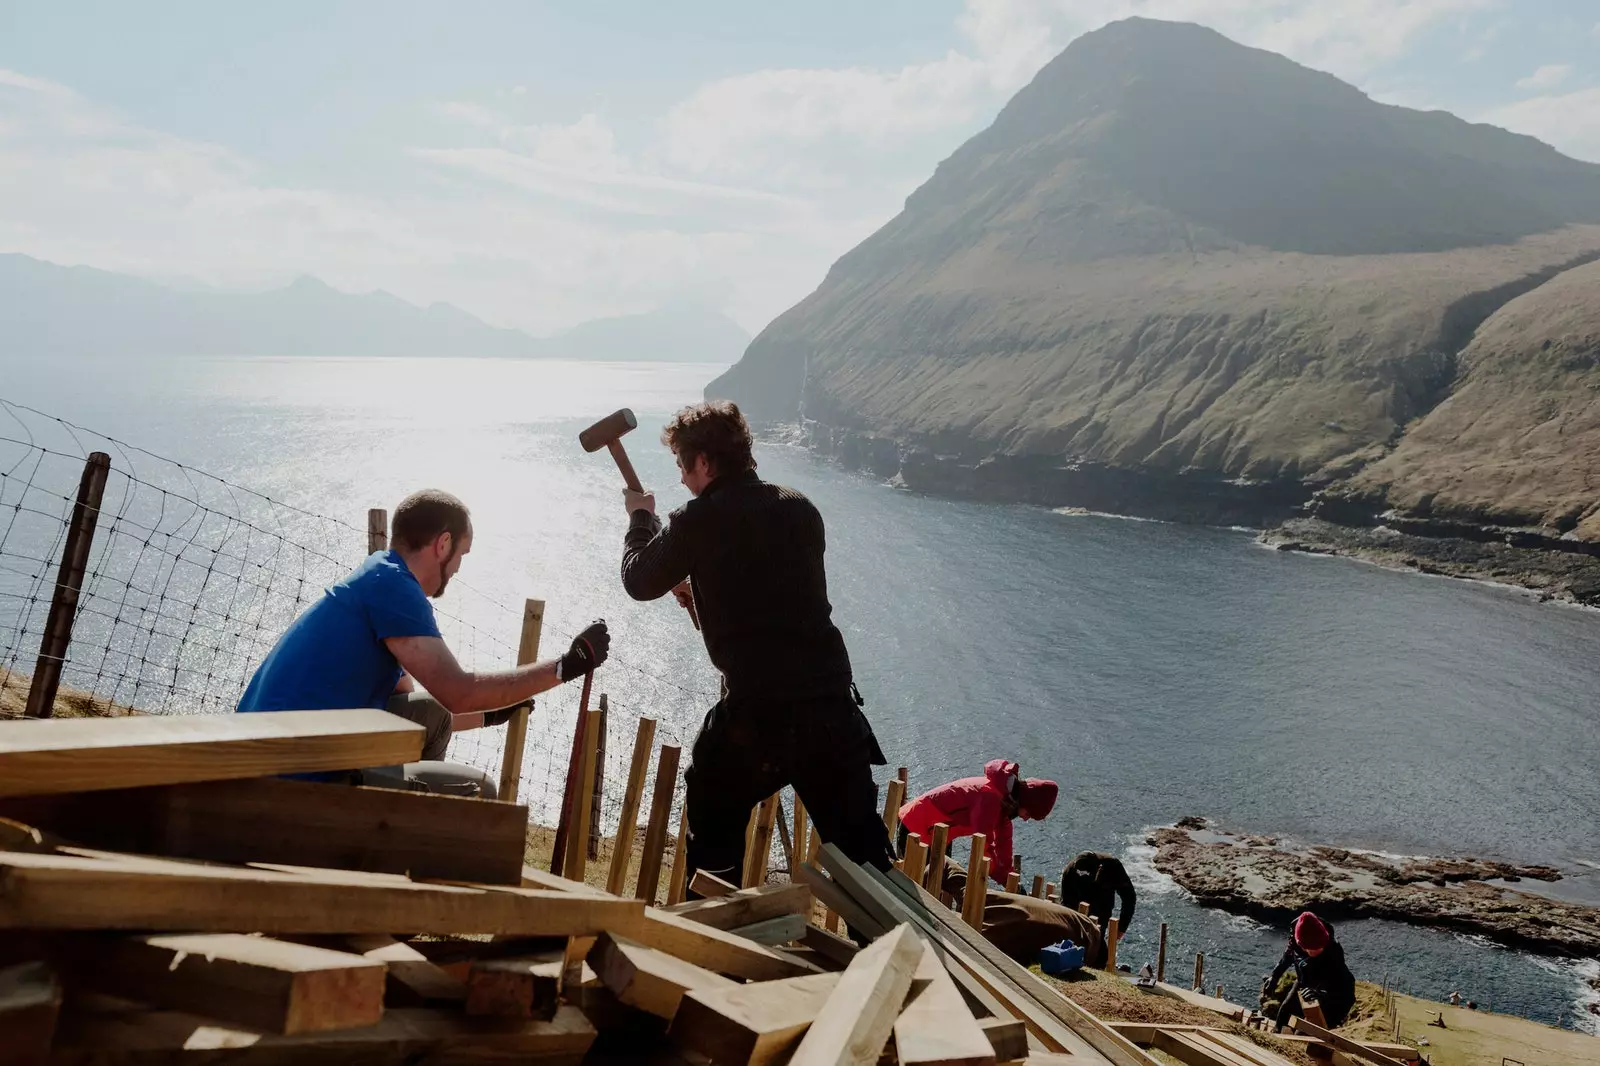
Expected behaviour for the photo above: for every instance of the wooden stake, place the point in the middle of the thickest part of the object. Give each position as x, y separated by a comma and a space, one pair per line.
577, 840
709, 886
1113, 934
597, 794
894, 796
1050, 893
377, 530
915, 863
69, 582
853, 1026
1199, 970
1083, 908
655, 834
755, 859
1161, 955
517, 728
799, 853
680, 859
977, 891
1013, 881
1038, 886
939, 848
644, 737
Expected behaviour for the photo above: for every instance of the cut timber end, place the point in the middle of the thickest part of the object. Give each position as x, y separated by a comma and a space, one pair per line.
854, 1024
936, 1028
750, 1025
651, 980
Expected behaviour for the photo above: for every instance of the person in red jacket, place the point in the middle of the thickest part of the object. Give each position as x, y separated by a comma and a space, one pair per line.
982, 805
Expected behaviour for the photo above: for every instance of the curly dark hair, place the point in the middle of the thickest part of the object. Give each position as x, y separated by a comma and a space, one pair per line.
717, 430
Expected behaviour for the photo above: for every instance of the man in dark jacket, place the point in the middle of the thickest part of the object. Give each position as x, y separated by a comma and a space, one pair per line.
747, 557
1098, 879
1320, 972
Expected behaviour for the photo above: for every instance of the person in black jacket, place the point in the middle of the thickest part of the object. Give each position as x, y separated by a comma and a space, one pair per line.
1098, 879
1320, 972
746, 557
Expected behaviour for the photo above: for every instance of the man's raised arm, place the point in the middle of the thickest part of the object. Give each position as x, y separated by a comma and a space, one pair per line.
468, 692
655, 560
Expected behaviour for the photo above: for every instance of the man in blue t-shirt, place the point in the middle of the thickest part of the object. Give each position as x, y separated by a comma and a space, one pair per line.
373, 635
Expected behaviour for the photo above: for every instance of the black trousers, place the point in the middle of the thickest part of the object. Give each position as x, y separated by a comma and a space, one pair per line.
746, 751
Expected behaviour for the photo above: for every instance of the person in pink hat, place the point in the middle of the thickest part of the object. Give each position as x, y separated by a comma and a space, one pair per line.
1320, 972
983, 805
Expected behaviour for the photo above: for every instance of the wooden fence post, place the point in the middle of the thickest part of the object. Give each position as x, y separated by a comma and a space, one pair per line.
569, 791
643, 738
894, 795
798, 848
940, 846
1199, 970
680, 860
377, 530
69, 583
1161, 955
977, 890
757, 854
578, 839
1113, 934
517, 728
655, 833
1038, 886
603, 722
1083, 908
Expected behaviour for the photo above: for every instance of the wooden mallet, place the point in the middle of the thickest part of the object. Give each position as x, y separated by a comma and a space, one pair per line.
607, 433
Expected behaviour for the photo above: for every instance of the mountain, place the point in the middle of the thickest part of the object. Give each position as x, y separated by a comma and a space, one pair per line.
46, 309
1182, 277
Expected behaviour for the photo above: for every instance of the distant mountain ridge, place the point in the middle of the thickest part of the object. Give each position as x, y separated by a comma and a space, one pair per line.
46, 309
1182, 277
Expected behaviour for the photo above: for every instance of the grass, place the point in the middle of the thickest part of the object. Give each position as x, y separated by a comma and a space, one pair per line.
541, 842
69, 703
1477, 1037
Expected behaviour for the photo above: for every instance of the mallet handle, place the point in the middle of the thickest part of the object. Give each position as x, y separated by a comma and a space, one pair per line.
623, 464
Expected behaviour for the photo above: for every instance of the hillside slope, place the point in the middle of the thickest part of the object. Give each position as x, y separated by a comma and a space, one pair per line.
1172, 264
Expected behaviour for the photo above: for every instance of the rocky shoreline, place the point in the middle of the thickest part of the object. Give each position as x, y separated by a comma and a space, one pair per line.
1274, 880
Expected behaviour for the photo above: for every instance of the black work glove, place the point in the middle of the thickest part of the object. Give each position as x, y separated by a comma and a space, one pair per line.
504, 714
589, 649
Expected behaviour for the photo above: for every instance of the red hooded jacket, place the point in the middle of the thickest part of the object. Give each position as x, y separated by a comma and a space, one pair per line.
969, 806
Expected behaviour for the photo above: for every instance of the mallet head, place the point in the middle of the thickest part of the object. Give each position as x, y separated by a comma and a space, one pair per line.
607, 430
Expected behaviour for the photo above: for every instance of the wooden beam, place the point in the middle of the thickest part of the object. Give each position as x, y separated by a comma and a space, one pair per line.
68, 892
1195, 1050
644, 738
713, 949
1342, 1043
655, 835
577, 857
799, 832
680, 861
412, 979
30, 999
840, 902
936, 1028
89, 754
854, 1023
708, 886
1251, 1052
755, 859
517, 728
830, 946
402, 1037
295, 823
271, 985
1008, 1037
522, 986
748, 905
784, 929
650, 980
750, 1025
1201, 1000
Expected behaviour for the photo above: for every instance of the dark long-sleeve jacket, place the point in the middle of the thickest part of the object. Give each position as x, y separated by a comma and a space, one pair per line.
1326, 975
754, 552
1095, 878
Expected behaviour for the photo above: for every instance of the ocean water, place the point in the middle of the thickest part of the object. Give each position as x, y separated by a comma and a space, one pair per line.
1153, 670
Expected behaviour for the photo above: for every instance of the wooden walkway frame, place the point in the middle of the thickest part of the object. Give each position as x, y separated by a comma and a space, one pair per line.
517, 728
655, 834
622, 850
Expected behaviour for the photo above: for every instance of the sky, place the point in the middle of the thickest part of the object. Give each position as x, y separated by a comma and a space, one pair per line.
541, 164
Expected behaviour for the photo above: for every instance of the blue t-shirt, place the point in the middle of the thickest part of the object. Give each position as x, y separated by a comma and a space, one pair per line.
333, 656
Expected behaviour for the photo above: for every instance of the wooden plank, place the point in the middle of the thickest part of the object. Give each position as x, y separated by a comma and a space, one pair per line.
1085, 1026
271, 985
89, 754
1201, 1000
750, 1025
1245, 1048
708, 886
522, 986
517, 728
69, 892
798, 835
1342, 1043
784, 929
401, 1038
755, 859
935, 1028
1195, 1050
840, 902
655, 836
680, 865
1008, 1037
295, 823
830, 946
577, 858
650, 980
713, 949
644, 738
30, 1000
412, 979
748, 906
854, 1023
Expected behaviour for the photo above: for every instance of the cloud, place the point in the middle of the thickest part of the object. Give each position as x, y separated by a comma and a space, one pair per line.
1569, 121
1546, 77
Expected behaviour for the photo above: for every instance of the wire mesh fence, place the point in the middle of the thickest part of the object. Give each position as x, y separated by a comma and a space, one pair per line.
190, 579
